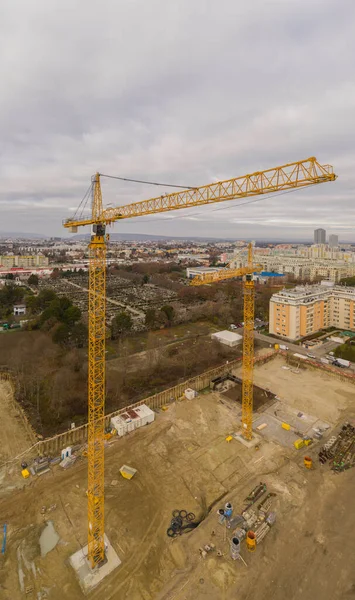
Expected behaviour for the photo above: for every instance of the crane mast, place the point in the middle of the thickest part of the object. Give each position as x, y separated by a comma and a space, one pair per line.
248, 351
96, 383
290, 176
248, 338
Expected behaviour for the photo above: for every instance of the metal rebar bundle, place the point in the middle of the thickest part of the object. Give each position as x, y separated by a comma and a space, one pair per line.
261, 532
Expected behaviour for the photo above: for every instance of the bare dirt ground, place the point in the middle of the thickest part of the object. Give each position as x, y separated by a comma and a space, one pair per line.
184, 462
313, 392
13, 435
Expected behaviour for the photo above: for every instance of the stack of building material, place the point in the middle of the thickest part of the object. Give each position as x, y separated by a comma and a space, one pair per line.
250, 518
41, 465
261, 532
67, 462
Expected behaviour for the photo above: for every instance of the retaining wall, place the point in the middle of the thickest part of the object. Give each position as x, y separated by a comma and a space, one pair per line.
53, 446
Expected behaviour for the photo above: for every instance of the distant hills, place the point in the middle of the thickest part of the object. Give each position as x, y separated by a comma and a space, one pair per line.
145, 237
5, 235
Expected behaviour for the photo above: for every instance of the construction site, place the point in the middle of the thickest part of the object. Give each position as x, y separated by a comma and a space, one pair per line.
184, 462
220, 486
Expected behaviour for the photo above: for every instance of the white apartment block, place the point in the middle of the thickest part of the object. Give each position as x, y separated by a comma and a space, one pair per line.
306, 268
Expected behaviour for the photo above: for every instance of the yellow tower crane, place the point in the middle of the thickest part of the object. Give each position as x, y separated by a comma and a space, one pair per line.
248, 351
248, 338
290, 176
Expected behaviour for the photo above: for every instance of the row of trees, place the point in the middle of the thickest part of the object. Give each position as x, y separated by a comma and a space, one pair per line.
346, 351
163, 367
9, 295
51, 384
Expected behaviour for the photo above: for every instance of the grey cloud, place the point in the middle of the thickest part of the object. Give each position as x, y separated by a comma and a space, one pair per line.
187, 92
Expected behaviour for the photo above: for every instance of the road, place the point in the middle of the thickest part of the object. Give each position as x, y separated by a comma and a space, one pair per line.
320, 352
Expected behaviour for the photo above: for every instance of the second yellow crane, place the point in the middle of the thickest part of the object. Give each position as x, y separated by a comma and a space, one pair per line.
248, 337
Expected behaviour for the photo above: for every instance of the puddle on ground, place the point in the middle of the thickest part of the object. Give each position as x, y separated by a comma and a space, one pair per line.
48, 539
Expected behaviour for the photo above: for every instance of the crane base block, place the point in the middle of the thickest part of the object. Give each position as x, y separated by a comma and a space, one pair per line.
255, 440
89, 578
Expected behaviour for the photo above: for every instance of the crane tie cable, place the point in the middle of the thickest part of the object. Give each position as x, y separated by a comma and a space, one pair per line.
183, 187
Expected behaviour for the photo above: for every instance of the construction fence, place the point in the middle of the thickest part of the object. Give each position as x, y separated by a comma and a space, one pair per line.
78, 435
53, 446
312, 364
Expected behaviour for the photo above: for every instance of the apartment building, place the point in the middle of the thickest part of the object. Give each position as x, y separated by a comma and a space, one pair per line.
319, 236
305, 268
333, 241
192, 272
304, 310
33, 260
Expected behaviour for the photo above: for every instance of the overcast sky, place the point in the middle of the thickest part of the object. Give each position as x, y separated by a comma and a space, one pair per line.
187, 92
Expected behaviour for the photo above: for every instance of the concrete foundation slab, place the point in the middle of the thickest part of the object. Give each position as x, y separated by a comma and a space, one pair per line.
300, 422
87, 577
248, 443
274, 432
